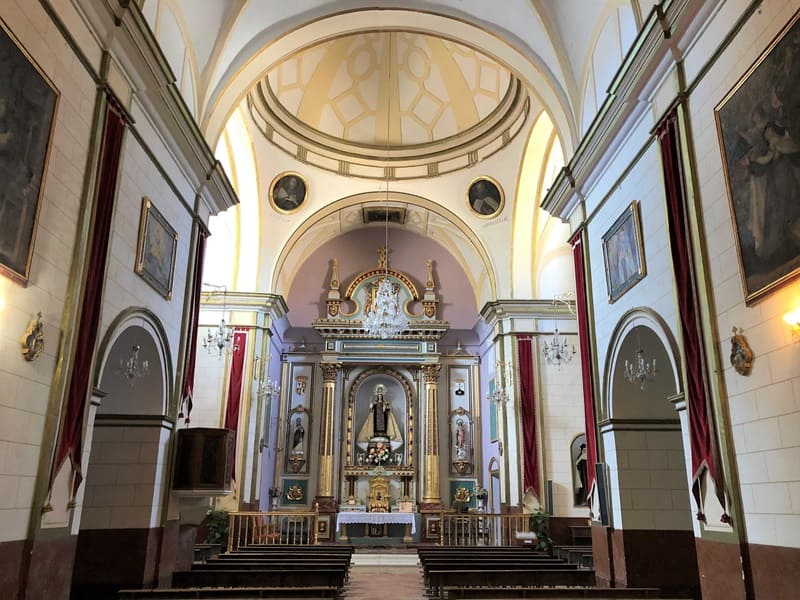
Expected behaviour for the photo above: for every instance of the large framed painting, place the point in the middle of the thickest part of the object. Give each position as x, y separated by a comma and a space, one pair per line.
28, 102
623, 253
758, 123
155, 255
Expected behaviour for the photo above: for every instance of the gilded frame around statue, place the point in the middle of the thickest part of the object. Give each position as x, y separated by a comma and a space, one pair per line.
28, 107
758, 125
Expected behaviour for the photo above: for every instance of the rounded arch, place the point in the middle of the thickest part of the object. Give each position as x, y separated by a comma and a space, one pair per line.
653, 323
140, 327
248, 67
282, 273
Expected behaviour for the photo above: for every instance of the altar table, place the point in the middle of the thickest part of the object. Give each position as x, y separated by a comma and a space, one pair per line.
376, 518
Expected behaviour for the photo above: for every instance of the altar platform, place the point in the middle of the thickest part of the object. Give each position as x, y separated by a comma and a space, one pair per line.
389, 521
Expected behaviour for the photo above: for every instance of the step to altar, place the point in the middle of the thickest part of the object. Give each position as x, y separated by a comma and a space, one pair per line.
393, 559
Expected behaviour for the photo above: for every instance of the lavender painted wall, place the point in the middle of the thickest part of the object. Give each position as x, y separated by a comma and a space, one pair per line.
357, 252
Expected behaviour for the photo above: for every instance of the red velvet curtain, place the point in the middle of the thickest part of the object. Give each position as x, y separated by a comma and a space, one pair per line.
701, 434
527, 398
582, 307
235, 386
71, 431
187, 390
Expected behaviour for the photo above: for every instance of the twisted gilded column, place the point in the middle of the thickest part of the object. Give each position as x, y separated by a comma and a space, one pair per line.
326, 438
431, 499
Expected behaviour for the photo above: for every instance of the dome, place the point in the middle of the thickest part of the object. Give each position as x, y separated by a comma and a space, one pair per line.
388, 97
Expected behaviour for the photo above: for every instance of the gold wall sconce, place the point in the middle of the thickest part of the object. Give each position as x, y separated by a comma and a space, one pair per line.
32, 340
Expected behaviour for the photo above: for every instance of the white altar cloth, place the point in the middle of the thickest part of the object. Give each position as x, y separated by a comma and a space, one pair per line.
373, 518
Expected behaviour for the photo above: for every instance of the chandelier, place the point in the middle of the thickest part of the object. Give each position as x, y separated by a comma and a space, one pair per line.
219, 340
558, 350
500, 393
131, 369
641, 370
385, 318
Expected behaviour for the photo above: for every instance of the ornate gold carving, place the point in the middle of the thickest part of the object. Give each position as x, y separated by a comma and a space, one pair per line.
301, 381
431, 374
430, 309
295, 493
462, 495
329, 371
335, 274
33, 339
333, 308
741, 354
429, 278
462, 467
296, 462
382, 257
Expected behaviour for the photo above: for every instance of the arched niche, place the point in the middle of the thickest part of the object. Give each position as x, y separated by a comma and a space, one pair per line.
145, 395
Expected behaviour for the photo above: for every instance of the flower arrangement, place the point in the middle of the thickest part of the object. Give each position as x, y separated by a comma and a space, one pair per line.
378, 455
274, 492
481, 493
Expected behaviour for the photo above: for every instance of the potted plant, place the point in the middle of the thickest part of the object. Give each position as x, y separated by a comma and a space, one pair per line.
216, 523
540, 525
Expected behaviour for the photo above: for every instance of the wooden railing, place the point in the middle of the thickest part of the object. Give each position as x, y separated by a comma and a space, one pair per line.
287, 528
475, 529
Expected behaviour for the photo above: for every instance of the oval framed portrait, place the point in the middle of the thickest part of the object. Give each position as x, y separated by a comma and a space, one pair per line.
485, 197
287, 192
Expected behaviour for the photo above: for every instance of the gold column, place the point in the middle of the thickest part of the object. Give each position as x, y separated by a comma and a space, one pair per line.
326, 438
431, 498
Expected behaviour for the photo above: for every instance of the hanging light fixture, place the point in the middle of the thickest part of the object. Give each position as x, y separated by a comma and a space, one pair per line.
641, 370
503, 377
558, 350
385, 318
132, 369
220, 340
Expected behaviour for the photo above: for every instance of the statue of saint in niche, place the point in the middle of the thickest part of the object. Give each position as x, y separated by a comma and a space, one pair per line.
380, 424
298, 436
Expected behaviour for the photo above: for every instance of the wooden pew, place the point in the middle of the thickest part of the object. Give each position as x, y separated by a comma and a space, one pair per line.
497, 578
263, 577
549, 593
276, 593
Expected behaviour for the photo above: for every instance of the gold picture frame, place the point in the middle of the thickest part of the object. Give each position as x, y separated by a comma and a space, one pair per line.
28, 106
155, 253
288, 191
485, 197
623, 253
758, 126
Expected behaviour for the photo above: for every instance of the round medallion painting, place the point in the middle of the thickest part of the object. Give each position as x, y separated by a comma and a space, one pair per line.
288, 192
485, 197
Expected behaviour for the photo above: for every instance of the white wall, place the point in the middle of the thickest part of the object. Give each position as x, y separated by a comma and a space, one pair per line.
765, 406
25, 386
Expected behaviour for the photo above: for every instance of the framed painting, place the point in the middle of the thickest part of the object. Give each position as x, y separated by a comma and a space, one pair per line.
623, 253
155, 255
28, 102
485, 197
287, 192
758, 123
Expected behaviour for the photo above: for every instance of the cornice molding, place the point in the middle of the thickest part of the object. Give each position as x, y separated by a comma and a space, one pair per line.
653, 55
121, 29
272, 304
500, 310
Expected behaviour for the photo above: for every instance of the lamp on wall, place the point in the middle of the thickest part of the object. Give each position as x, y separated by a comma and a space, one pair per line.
793, 320
385, 318
641, 370
132, 368
220, 340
